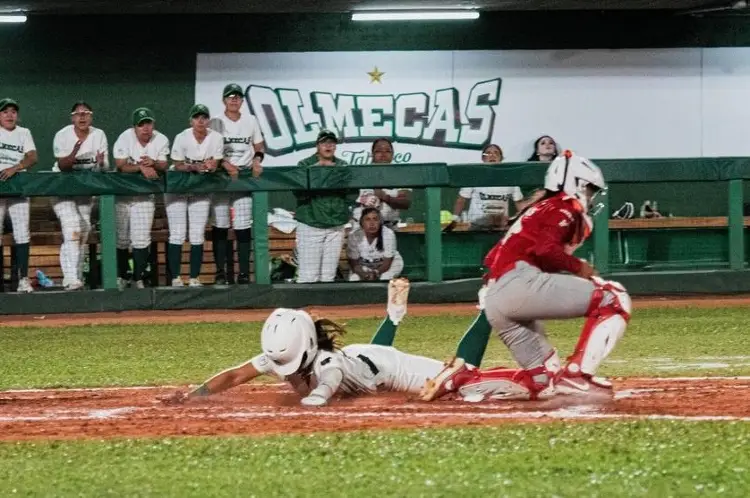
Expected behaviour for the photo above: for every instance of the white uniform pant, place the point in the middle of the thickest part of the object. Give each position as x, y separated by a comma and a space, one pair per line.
318, 253
74, 214
135, 218
397, 266
240, 202
187, 215
17, 209
397, 371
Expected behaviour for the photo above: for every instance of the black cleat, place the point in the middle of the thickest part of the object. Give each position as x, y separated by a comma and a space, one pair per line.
243, 279
221, 278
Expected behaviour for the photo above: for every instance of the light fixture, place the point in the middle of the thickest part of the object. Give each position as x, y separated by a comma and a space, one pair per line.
416, 15
12, 18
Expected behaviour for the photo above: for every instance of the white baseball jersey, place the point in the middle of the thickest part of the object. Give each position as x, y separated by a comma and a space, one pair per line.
486, 201
360, 369
239, 138
387, 213
187, 149
14, 145
128, 147
359, 248
95, 142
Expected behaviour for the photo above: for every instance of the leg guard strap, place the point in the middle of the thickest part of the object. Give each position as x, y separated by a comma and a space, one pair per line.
607, 319
512, 383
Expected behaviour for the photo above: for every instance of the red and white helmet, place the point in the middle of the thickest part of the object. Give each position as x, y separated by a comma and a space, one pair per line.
289, 340
571, 174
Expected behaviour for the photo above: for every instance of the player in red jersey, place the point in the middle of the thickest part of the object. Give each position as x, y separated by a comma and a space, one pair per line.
533, 276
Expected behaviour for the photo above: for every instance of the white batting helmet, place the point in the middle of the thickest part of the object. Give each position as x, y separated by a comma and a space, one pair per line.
289, 340
571, 174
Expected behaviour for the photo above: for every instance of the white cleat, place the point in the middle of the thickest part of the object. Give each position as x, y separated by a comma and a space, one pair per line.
77, 285
194, 282
177, 282
122, 284
398, 297
24, 286
583, 385
139, 284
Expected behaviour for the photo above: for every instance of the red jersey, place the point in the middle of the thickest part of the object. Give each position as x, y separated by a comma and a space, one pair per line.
545, 236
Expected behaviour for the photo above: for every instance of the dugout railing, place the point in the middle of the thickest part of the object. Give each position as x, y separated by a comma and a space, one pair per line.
433, 178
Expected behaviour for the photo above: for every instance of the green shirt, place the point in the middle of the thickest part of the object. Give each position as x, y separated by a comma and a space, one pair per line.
322, 208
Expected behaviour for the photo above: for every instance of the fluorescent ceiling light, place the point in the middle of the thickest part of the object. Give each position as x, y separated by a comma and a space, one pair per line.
426, 15
12, 18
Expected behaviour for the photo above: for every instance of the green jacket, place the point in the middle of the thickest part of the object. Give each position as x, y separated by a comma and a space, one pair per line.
322, 208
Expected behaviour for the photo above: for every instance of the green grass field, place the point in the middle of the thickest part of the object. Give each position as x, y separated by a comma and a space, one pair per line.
663, 458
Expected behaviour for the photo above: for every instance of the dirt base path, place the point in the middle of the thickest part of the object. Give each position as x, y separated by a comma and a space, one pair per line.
271, 409
333, 312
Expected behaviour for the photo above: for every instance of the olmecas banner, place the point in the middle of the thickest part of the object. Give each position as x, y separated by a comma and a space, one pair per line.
444, 106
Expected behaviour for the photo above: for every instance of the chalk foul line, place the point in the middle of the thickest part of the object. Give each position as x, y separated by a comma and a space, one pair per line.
583, 412
284, 387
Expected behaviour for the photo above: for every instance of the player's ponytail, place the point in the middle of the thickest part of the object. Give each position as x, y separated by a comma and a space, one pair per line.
329, 334
379, 243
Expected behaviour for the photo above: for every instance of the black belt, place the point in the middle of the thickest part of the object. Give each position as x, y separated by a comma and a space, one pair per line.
369, 363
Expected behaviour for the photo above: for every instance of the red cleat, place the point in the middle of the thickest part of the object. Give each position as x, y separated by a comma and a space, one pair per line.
453, 376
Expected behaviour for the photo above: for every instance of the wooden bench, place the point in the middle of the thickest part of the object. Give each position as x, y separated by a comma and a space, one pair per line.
46, 240
676, 222
45, 250
679, 222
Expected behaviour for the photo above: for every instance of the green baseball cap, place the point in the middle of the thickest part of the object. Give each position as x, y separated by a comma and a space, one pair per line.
232, 89
8, 103
324, 135
143, 114
198, 109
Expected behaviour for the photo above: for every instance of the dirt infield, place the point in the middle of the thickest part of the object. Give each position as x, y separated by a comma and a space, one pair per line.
270, 409
333, 312
262, 409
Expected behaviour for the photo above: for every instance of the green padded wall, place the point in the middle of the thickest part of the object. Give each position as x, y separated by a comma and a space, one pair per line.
50, 62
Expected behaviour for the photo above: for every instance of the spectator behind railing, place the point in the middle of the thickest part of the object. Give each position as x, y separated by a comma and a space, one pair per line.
371, 250
244, 149
489, 207
78, 146
545, 149
196, 150
17, 153
139, 149
321, 217
388, 201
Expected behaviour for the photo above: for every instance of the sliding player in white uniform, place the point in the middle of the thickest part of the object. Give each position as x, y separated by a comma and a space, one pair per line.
77, 147
197, 149
243, 150
17, 153
140, 149
305, 352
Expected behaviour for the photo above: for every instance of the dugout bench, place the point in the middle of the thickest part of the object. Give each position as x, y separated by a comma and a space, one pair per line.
463, 250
